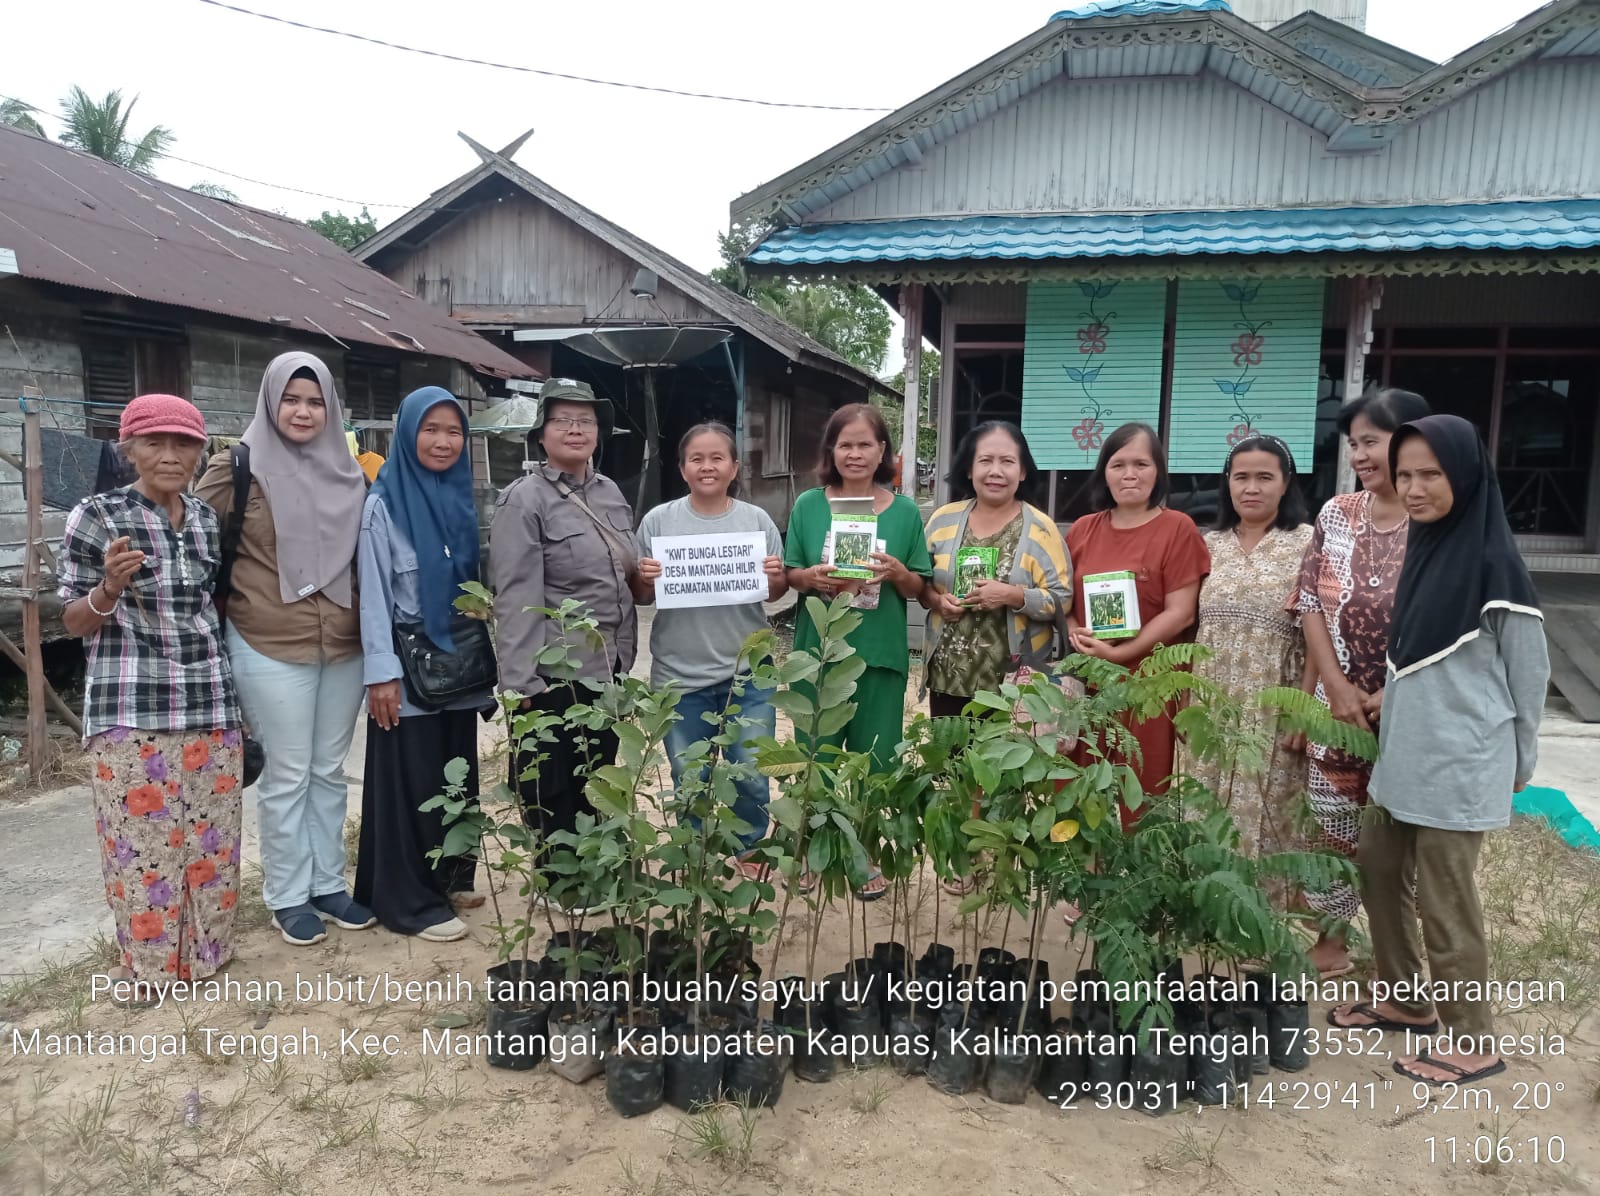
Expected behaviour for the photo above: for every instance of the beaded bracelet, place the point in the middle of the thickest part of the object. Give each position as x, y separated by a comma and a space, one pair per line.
104, 614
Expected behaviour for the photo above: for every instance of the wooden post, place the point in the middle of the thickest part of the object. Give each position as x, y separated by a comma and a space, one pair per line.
1366, 297
911, 313
32, 642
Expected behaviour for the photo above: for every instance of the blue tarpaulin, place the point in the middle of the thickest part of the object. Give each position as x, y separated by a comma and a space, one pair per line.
1555, 808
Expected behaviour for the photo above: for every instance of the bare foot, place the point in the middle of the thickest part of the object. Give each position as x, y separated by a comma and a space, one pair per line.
1331, 957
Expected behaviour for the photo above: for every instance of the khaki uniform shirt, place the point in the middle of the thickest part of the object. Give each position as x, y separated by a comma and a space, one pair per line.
544, 549
314, 630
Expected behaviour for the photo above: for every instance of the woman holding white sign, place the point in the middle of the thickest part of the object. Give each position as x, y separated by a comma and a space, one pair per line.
1139, 568
696, 554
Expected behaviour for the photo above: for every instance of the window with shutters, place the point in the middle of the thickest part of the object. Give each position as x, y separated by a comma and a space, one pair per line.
371, 388
125, 357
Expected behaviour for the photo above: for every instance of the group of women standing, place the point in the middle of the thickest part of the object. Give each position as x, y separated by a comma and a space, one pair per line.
330, 584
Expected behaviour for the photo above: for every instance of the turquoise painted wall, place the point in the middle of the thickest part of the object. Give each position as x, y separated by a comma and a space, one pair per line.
1093, 362
1245, 357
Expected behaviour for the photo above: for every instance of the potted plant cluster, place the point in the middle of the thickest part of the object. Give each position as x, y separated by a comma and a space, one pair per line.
664, 995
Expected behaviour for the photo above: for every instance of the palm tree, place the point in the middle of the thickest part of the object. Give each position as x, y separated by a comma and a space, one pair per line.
101, 129
17, 115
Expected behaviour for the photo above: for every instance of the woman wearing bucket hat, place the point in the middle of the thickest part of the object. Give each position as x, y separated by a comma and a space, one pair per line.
418, 543
563, 531
294, 635
160, 718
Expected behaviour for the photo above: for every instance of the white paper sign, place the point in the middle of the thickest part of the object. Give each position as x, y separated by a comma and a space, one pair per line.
717, 570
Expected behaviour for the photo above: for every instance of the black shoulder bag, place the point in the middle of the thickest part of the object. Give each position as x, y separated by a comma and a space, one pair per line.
255, 756
435, 678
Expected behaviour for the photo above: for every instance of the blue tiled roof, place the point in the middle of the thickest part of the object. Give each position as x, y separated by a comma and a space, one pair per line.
1138, 8
1562, 224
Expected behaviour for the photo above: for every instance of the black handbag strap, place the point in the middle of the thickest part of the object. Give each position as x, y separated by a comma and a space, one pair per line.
233, 529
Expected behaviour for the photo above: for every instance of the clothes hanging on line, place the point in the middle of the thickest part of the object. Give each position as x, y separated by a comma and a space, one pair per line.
75, 466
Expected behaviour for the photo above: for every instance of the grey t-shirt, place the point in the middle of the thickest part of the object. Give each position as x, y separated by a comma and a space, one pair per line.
698, 646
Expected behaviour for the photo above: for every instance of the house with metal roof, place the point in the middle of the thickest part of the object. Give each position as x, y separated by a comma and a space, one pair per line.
1157, 210
113, 283
574, 294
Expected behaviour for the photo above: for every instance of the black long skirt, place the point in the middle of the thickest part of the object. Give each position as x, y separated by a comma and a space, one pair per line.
395, 879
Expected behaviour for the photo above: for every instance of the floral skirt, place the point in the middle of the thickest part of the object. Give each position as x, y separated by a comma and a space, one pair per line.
167, 811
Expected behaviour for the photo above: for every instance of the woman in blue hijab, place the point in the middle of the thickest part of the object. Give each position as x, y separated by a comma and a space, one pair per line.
419, 542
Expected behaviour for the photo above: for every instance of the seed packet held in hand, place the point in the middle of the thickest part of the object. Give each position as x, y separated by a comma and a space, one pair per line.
851, 545
1112, 600
975, 564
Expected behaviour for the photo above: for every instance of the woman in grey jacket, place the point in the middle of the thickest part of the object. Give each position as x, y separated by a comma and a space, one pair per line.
1468, 669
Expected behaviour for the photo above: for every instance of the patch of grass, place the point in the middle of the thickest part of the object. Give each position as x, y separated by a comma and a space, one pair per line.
271, 1076
1189, 1147
1542, 912
633, 1183
275, 1175
362, 1067
343, 1132
723, 1132
352, 837
59, 983
251, 913
870, 1097
432, 1094
1498, 1131
83, 1125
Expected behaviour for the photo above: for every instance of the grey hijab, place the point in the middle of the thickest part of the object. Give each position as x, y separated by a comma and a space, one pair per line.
315, 491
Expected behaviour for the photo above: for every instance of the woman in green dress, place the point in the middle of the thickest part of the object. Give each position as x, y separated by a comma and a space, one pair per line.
857, 462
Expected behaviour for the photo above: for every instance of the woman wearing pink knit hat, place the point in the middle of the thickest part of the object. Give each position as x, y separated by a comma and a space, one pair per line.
160, 718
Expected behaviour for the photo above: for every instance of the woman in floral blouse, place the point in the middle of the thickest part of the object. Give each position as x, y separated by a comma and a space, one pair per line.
160, 718
1348, 581
1256, 547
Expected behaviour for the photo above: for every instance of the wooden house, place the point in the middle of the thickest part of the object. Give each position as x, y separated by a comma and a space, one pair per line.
114, 284
534, 271
1156, 210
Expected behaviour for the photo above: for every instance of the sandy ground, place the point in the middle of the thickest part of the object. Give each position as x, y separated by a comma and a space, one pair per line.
388, 1113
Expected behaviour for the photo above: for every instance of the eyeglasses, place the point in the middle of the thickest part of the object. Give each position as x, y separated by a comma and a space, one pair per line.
567, 423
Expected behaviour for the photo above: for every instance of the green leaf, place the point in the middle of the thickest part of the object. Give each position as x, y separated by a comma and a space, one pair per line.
451, 1021
835, 718
455, 772
786, 812
800, 708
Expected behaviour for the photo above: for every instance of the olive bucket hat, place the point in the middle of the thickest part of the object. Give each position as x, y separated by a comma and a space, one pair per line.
565, 390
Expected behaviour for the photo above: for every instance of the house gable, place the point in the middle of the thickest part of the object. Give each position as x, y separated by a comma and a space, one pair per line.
1348, 117
1199, 142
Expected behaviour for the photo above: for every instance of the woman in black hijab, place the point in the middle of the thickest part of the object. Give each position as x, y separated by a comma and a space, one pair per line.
1459, 733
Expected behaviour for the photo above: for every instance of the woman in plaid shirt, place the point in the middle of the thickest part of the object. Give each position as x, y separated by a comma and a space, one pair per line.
160, 718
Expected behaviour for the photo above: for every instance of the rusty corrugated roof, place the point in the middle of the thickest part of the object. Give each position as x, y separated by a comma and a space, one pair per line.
74, 219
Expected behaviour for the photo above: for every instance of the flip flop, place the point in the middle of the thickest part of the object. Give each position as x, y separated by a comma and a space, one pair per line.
1374, 1018
1458, 1075
866, 894
960, 886
752, 869
805, 883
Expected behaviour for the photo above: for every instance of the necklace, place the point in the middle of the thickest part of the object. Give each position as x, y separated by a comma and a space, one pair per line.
1390, 540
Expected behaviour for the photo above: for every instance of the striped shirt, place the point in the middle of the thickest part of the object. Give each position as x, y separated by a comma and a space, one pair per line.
1041, 566
157, 663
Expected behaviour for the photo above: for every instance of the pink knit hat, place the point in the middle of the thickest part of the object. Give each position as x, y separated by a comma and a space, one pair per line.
152, 415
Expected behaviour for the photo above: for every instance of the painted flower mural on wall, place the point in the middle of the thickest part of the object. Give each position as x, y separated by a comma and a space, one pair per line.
1249, 351
1094, 338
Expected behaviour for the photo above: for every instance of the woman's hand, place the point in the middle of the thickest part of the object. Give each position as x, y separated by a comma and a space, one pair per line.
946, 607
1348, 704
1372, 705
122, 563
772, 567
383, 703
819, 579
1089, 645
1292, 741
886, 568
989, 594
649, 570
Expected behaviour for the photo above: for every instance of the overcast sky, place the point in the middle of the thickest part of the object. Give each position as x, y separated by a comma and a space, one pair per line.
368, 123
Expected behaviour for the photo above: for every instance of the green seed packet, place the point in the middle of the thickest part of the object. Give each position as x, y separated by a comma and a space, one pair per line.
975, 564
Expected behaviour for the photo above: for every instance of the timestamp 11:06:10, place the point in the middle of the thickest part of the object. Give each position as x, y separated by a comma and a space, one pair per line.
1486, 1149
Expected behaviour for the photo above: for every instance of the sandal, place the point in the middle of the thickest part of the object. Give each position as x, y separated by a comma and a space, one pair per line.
961, 886
1362, 1009
867, 893
757, 870
1457, 1076
467, 899
805, 883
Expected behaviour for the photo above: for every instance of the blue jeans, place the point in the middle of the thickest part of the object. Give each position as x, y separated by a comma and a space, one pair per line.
304, 715
755, 705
